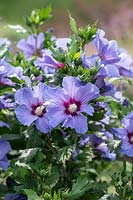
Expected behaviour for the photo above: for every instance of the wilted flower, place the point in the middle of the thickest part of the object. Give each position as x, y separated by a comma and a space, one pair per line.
4, 149
32, 107
67, 104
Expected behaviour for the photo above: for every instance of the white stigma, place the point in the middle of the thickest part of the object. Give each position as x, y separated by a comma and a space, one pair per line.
72, 108
39, 110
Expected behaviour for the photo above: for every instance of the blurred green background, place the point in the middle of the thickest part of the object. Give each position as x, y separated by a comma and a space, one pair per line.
114, 16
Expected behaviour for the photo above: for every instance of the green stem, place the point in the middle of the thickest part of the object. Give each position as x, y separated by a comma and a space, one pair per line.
49, 145
124, 167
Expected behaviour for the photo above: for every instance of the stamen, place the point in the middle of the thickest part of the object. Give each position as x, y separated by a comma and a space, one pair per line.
72, 108
39, 110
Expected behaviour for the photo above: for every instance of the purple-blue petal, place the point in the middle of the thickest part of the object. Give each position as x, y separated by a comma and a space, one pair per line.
125, 64
88, 62
120, 132
56, 114
109, 71
4, 148
4, 164
87, 109
84, 140
42, 124
109, 155
71, 85
79, 123
75, 89
86, 93
127, 122
24, 115
47, 60
25, 97
39, 91
56, 95
127, 148
40, 40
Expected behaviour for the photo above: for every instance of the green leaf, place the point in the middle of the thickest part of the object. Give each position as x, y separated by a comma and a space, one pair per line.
73, 25
53, 178
106, 197
32, 195
65, 154
79, 188
73, 48
12, 137
3, 50
45, 13
39, 16
88, 33
130, 82
3, 189
97, 116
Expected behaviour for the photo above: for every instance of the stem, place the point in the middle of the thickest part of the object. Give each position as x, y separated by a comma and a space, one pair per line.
49, 145
124, 166
123, 174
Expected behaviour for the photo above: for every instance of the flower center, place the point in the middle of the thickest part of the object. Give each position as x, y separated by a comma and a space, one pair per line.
130, 136
38, 110
71, 107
